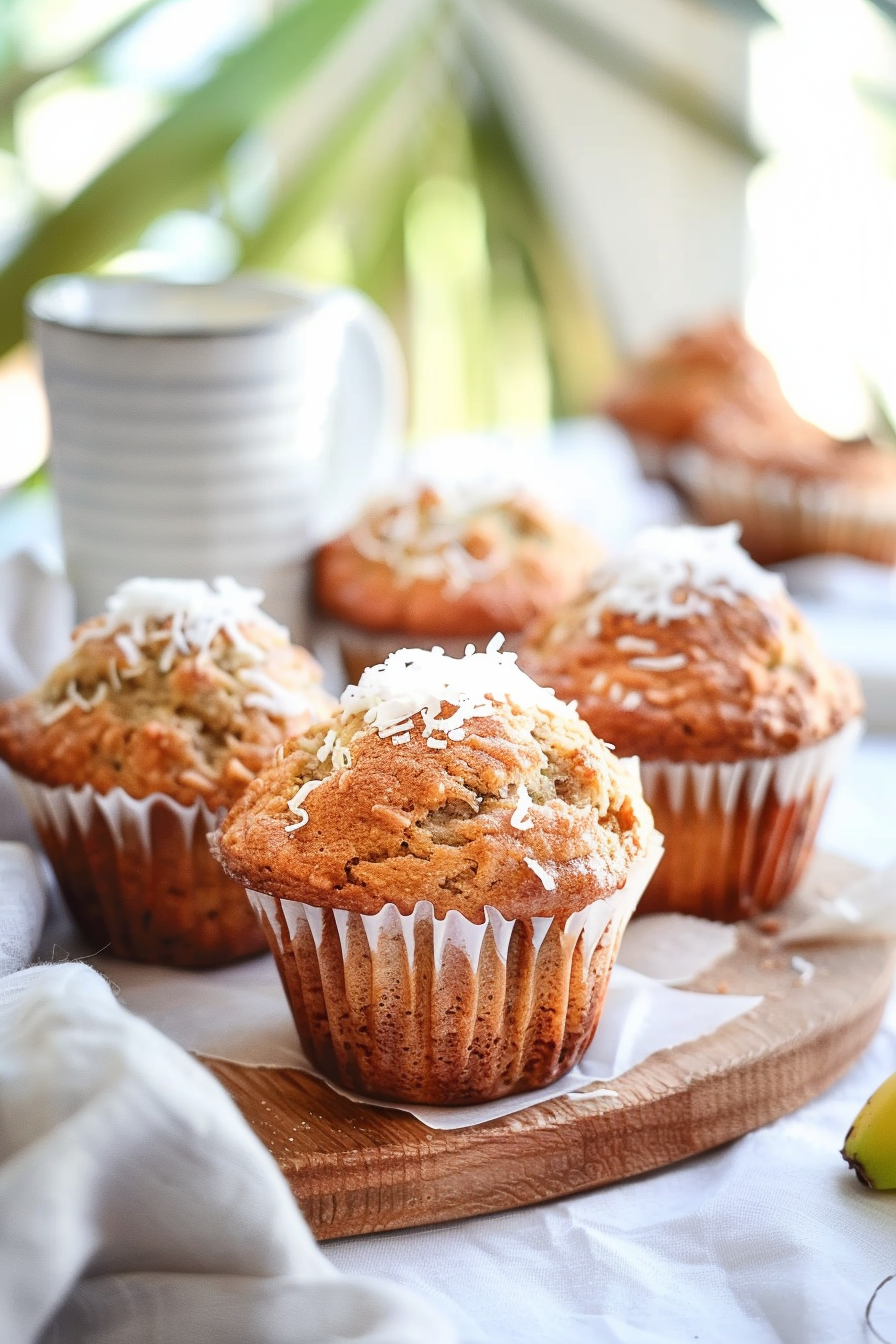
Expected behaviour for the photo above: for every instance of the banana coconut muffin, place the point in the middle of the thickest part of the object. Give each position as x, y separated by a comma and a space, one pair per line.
133, 748
448, 564
661, 400
794, 492
443, 869
683, 652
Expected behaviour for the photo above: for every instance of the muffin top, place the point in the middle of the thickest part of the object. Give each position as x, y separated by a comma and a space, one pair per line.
668, 394
459, 561
451, 780
681, 648
180, 688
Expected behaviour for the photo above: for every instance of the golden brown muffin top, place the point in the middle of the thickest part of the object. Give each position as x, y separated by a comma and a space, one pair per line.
179, 689
451, 780
667, 394
681, 648
452, 562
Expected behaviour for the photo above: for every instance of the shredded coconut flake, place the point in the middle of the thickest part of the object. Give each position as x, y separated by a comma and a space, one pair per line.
86, 702
632, 644
401, 739
342, 758
277, 701
519, 820
329, 741
632, 700
295, 803
542, 874
669, 573
58, 712
440, 742
420, 531
197, 612
804, 969
672, 662
424, 681
302, 820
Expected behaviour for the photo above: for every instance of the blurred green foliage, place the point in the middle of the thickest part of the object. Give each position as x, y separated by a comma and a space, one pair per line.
414, 186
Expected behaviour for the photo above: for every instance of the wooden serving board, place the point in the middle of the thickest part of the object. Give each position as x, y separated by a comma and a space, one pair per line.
357, 1169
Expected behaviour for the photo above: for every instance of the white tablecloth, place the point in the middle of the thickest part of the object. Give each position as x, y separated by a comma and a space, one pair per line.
768, 1239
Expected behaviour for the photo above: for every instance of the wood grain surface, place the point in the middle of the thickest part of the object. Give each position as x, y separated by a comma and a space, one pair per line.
357, 1169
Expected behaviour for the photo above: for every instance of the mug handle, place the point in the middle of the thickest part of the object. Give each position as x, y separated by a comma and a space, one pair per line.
368, 406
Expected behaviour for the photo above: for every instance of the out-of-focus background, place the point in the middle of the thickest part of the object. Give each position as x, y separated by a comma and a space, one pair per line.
531, 189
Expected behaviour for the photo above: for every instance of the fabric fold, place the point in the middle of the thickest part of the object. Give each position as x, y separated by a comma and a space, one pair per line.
136, 1205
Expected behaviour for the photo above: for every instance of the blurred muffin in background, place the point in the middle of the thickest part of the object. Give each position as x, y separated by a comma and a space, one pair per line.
446, 566
134, 746
684, 653
793, 493
660, 399
707, 412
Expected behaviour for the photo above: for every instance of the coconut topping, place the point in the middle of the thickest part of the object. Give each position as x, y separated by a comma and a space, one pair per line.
421, 682
542, 874
632, 644
519, 820
198, 612
428, 533
445, 534
670, 662
277, 701
669, 573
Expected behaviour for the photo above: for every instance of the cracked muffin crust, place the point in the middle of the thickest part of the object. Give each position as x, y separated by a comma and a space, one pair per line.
166, 708
685, 653
443, 869
455, 820
682, 648
178, 689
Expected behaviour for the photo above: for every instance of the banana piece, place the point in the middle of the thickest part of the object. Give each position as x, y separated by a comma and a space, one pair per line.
870, 1145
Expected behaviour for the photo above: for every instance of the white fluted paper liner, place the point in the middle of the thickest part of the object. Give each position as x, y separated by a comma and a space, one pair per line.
801, 515
138, 875
788, 777
64, 807
739, 834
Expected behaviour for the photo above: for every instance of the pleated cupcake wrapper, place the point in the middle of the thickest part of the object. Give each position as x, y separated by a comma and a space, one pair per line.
422, 967
147, 898
740, 833
63, 807
784, 515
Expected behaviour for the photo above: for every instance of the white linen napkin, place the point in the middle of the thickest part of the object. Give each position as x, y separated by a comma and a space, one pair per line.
23, 906
136, 1205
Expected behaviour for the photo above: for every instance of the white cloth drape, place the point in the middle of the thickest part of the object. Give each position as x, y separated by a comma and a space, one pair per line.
137, 1207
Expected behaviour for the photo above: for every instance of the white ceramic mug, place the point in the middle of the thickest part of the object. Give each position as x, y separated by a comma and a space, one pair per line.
212, 429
